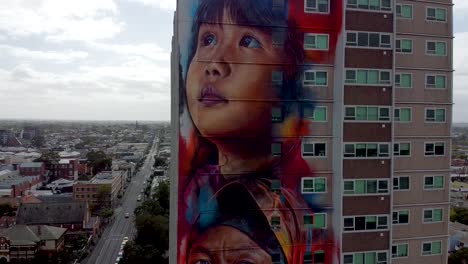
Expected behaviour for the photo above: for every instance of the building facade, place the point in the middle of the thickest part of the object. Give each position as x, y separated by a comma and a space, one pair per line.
108, 183
343, 149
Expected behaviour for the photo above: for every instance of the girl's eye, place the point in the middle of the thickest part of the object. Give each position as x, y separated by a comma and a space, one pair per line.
245, 262
202, 261
250, 42
209, 39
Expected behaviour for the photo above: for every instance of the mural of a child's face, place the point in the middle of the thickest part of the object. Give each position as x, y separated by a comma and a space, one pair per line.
212, 248
229, 79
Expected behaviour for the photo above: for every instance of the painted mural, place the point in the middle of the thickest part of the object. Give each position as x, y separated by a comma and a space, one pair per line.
245, 194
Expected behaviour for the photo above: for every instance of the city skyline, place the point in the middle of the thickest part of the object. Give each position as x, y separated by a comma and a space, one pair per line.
109, 60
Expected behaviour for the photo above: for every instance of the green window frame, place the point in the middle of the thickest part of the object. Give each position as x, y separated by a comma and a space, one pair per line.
402, 149
315, 78
314, 149
275, 221
377, 5
276, 148
435, 115
367, 77
320, 221
404, 46
402, 114
317, 113
404, 11
371, 257
368, 39
400, 250
366, 150
401, 183
436, 48
316, 41
316, 6
436, 81
314, 185
367, 113
433, 182
367, 186
400, 217
432, 248
276, 114
403, 80
434, 149
433, 215
436, 14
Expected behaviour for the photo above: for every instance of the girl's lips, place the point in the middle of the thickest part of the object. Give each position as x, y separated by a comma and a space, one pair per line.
209, 96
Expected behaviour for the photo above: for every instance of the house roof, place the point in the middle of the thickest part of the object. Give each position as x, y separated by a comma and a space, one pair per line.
31, 165
51, 213
31, 235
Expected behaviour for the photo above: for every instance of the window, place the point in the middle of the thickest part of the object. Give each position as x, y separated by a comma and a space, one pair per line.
365, 223
401, 183
436, 81
404, 11
403, 80
275, 185
367, 113
314, 149
359, 187
276, 114
366, 150
318, 220
318, 113
367, 77
366, 258
308, 258
315, 42
400, 217
368, 39
404, 46
276, 149
275, 222
319, 257
316, 6
435, 115
436, 14
432, 215
402, 114
277, 77
433, 182
400, 251
437, 48
314, 185
432, 248
402, 149
382, 5
434, 149
315, 78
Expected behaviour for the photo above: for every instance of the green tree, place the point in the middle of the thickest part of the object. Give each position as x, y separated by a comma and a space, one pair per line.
159, 162
99, 161
162, 195
459, 215
48, 158
459, 257
6, 209
103, 197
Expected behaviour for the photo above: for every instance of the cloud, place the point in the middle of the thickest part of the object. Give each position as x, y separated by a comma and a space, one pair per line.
49, 56
162, 4
145, 50
58, 20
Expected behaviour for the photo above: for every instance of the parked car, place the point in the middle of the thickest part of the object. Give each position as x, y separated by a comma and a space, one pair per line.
127, 215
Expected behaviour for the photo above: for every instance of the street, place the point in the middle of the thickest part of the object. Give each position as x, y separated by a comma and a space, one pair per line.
108, 246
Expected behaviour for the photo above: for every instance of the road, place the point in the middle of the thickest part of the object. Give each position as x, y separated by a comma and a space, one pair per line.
108, 247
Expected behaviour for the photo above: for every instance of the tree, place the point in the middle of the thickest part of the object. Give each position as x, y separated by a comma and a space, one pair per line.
159, 162
459, 257
103, 197
6, 209
162, 195
48, 158
99, 161
459, 215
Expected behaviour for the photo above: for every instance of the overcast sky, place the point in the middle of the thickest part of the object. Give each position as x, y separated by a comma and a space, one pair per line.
109, 59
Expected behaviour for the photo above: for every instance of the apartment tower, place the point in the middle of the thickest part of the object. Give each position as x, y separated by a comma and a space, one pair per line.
375, 88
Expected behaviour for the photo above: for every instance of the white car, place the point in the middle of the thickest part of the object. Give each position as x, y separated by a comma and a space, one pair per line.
117, 260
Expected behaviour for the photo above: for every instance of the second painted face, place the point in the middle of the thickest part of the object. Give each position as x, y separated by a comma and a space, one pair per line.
228, 84
211, 248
